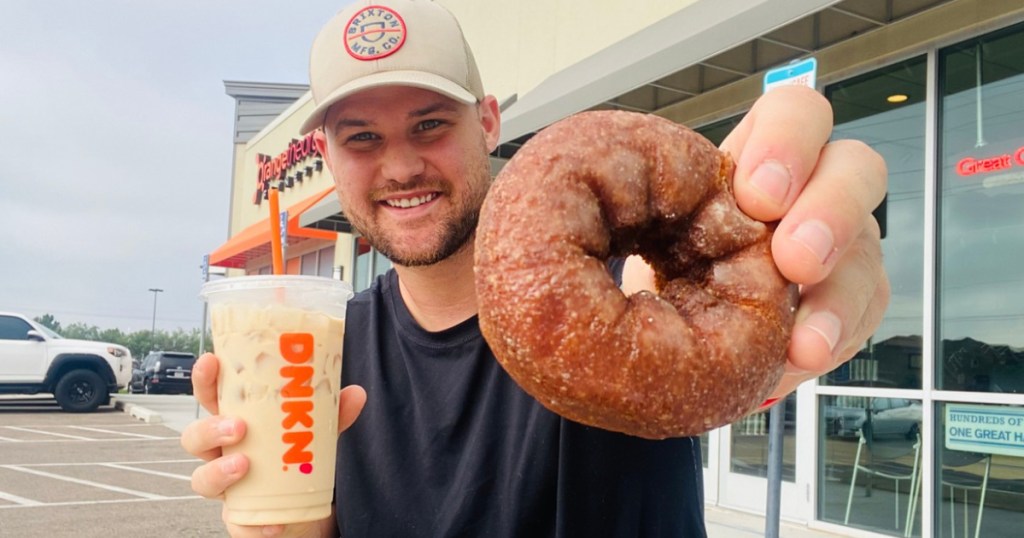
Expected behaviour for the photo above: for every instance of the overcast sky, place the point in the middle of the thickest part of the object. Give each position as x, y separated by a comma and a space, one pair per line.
115, 146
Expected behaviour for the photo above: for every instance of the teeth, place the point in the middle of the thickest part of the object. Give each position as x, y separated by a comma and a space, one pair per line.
410, 202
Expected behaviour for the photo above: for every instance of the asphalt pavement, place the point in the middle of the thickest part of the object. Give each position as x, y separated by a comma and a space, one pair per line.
177, 411
95, 475
122, 472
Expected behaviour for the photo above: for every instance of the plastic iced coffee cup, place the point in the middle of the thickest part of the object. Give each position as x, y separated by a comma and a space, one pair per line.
279, 342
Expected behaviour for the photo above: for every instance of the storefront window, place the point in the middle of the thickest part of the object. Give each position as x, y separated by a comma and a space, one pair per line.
981, 227
869, 446
309, 264
369, 264
716, 132
870, 463
886, 110
325, 265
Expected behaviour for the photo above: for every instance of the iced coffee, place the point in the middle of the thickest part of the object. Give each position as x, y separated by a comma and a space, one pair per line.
279, 342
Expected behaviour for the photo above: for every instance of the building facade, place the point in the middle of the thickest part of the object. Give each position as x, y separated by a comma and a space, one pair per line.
922, 433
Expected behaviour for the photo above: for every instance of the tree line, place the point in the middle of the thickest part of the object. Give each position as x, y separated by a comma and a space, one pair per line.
140, 343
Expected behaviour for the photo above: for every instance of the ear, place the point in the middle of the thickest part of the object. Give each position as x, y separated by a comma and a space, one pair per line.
490, 121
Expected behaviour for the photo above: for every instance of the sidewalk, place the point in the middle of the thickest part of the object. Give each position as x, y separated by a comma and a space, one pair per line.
177, 411
726, 523
174, 411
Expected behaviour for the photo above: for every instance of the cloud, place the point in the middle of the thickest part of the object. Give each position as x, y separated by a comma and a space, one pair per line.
117, 137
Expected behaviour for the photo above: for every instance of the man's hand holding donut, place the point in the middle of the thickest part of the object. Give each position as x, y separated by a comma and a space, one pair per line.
205, 437
822, 193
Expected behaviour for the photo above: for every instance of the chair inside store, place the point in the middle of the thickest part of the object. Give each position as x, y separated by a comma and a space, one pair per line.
960, 481
892, 458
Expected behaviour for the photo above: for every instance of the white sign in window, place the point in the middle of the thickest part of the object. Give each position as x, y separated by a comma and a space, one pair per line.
987, 429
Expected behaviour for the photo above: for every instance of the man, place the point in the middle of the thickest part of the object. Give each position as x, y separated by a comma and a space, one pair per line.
446, 444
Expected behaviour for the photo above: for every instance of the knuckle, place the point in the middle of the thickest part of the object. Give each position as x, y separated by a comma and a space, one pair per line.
871, 166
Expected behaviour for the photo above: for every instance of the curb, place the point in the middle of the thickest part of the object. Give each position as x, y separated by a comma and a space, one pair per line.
135, 410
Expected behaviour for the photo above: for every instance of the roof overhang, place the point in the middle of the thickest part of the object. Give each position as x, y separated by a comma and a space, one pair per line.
254, 241
691, 35
326, 215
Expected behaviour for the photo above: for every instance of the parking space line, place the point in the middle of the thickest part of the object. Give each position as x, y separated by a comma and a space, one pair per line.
9, 440
87, 440
43, 432
21, 501
101, 430
104, 501
88, 463
146, 471
90, 483
132, 424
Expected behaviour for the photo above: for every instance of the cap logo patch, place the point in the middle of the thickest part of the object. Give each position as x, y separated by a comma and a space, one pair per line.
374, 32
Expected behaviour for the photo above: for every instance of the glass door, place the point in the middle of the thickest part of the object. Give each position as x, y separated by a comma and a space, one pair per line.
743, 460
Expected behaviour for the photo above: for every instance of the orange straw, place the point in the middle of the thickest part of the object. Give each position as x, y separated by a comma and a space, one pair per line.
275, 233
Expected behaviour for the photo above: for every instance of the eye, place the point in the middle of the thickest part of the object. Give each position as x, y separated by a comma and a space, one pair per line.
427, 125
362, 137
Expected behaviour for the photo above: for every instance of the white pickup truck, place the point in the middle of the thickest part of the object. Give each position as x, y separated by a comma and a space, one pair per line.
80, 374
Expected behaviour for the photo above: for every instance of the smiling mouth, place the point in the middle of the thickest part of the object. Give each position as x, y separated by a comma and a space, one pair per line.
405, 203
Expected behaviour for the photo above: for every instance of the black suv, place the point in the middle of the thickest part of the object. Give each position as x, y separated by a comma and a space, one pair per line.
164, 372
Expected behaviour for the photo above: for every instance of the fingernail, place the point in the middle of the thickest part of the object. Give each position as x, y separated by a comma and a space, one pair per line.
226, 428
229, 464
773, 180
827, 325
816, 237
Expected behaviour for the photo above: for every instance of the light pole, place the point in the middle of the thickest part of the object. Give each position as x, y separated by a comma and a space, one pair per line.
153, 330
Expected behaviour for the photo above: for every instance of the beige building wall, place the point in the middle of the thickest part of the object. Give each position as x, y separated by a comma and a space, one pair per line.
518, 44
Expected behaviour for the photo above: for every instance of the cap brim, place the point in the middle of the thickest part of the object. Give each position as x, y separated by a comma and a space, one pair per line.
415, 79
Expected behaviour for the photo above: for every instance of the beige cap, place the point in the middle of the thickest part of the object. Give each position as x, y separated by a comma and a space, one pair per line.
390, 43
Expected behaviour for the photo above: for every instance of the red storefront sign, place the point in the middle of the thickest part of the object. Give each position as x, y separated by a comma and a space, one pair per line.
280, 168
971, 166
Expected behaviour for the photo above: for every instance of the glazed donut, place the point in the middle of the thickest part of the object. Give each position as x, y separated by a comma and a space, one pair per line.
703, 351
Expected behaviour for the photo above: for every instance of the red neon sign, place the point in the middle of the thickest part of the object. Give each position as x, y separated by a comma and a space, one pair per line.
970, 166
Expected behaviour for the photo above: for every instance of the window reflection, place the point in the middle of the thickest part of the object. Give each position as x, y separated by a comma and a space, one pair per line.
749, 454
981, 247
892, 357
870, 462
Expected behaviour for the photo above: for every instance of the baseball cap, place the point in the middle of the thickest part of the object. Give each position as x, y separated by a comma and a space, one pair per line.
375, 43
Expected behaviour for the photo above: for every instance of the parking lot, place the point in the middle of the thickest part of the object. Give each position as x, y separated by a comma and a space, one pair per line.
95, 475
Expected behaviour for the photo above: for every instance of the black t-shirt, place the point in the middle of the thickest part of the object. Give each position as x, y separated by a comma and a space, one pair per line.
448, 445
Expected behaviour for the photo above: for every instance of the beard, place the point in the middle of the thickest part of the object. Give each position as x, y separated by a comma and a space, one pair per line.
453, 234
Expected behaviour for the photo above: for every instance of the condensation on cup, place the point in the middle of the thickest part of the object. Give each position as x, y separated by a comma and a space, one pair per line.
279, 341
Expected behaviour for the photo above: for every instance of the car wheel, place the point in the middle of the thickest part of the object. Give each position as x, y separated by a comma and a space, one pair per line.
80, 391
147, 388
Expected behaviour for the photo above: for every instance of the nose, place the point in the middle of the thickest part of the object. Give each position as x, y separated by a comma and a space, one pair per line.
401, 162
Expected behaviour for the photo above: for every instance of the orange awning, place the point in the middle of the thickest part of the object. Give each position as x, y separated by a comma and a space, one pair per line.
254, 241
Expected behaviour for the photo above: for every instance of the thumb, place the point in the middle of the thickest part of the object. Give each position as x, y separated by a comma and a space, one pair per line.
353, 398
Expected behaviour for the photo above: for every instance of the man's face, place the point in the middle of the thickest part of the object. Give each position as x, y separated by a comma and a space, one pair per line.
411, 169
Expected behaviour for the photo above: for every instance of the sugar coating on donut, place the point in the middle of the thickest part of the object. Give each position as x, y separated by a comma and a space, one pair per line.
703, 351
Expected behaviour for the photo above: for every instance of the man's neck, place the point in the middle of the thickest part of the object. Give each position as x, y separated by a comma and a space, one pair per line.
441, 295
